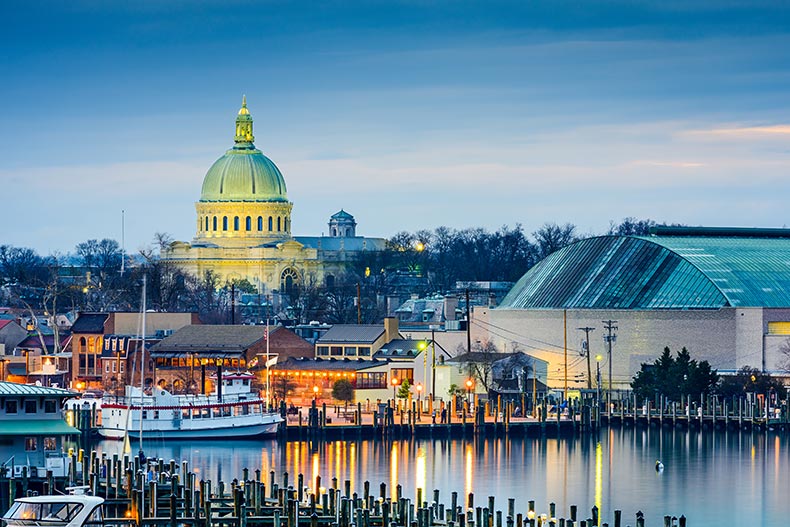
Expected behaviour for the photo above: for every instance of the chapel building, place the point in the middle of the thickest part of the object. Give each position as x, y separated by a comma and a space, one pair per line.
244, 228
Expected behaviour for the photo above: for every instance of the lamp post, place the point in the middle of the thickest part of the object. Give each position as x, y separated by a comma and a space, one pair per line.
315, 393
470, 384
418, 387
598, 381
395, 382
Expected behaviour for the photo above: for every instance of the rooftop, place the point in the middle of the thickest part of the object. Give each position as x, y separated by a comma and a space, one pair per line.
673, 268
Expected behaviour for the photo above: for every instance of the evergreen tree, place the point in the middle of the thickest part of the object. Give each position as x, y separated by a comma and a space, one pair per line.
674, 377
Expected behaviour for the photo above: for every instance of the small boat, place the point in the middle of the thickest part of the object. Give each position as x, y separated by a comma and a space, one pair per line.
231, 411
68, 510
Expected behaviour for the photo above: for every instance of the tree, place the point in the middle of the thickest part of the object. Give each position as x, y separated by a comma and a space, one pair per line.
552, 237
481, 361
404, 390
674, 377
751, 380
343, 390
282, 386
631, 227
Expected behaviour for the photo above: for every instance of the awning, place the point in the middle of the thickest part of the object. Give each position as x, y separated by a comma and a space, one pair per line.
36, 427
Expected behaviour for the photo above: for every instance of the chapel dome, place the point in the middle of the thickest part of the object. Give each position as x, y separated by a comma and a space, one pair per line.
244, 173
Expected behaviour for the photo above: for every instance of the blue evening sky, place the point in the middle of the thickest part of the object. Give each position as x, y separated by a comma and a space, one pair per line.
409, 115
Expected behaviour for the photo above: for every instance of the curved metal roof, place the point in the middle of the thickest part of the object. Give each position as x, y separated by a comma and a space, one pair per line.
659, 272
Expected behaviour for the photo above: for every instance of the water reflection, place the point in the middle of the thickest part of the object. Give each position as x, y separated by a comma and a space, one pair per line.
713, 478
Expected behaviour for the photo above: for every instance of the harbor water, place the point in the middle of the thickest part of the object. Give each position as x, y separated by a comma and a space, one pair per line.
713, 478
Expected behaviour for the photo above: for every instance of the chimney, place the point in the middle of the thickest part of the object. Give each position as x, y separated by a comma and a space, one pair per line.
390, 329
450, 305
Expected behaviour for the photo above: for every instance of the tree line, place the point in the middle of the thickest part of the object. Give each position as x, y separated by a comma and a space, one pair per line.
98, 276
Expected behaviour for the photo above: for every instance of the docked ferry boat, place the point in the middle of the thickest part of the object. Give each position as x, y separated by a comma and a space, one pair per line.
231, 411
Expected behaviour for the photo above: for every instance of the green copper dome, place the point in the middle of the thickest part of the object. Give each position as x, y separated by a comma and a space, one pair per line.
244, 173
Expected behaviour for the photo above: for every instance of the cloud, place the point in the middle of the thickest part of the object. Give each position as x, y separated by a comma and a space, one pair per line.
743, 132
669, 164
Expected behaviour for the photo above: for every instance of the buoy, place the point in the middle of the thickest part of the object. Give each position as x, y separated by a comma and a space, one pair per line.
659, 466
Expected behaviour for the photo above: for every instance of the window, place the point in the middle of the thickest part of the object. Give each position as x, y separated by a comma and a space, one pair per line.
260, 223
336, 351
11, 407
248, 223
50, 406
403, 373
350, 351
114, 366
364, 351
270, 224
107, 367
31, 444
278, 223
122, 367
50, 444
206, 223
236, 223
224, 223
372, 380
30, 407
323, 351
215, 223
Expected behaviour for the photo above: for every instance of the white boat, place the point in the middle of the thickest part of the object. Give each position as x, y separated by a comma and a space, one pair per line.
69, 510
239, 413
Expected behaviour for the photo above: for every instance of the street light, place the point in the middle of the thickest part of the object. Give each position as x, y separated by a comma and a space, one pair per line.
418, 387
315, 393
395, 382
598, 359
469, 385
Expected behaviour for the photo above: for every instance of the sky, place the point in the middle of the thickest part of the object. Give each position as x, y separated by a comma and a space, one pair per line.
409, 115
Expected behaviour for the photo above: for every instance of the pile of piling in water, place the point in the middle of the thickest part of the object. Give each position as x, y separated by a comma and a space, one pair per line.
152, 492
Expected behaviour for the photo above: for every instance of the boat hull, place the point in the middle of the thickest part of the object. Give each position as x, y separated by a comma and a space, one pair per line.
235, 432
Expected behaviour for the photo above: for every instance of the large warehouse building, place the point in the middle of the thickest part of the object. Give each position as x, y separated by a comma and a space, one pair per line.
724, 294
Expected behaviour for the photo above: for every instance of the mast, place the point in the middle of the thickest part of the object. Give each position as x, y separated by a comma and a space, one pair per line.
267, 359
142, 362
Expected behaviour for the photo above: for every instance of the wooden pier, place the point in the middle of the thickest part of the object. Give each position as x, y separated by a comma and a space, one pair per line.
156, 493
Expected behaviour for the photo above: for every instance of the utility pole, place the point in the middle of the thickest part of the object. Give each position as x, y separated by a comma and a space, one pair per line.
587, 330
468, 333
565, 340
610, 338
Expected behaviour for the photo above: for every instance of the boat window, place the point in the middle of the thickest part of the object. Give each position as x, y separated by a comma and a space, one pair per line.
11, 406
185, 413
31, 444
145, 414
40, 513
206, 413
50, 407
245, 382
30, 407
50, 444
245, 409
196, 413
156, 414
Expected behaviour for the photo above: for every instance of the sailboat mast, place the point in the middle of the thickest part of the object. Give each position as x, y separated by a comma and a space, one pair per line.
142, 361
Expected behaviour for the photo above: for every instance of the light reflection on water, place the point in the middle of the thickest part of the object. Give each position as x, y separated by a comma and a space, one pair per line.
712, 478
